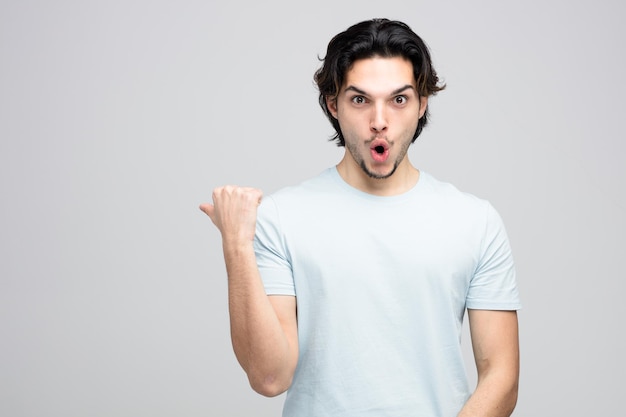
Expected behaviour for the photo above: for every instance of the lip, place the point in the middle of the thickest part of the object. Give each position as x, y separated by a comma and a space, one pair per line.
378, 145
379, 142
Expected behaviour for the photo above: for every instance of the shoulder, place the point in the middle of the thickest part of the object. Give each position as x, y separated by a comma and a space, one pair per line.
301, 198
312, 188
450, 196
317, 184
459, 208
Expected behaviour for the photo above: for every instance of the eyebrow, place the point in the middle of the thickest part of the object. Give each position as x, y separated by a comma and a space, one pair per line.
394, 92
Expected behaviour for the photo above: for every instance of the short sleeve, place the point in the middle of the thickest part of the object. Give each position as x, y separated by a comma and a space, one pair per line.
494, 286
271, 253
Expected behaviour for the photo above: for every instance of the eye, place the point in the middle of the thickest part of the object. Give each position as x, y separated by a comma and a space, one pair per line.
358, 99
400, 99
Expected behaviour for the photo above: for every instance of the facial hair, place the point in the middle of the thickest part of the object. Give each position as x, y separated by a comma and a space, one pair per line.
353, 149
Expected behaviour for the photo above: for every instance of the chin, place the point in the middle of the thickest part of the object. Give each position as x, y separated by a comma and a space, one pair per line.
378, 174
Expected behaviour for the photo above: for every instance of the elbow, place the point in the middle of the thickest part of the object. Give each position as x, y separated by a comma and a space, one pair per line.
509, 395
503, 384
269, 386
512, 397
511, 381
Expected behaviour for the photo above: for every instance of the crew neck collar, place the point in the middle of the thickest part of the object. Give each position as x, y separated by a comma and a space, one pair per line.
373, 197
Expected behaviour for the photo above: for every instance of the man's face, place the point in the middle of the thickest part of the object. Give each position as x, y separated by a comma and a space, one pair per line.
378, 109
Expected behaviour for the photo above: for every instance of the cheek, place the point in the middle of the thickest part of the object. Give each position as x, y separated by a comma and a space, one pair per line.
409, 126
352, 121
404, 119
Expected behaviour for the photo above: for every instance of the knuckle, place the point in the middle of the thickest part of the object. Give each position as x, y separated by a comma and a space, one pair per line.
243, 194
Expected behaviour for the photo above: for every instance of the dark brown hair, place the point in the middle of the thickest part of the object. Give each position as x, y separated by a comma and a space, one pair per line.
377, 37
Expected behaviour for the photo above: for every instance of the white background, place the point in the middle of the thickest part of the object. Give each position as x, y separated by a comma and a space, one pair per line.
118, 118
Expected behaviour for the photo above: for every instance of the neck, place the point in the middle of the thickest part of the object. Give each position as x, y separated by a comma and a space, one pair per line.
402, 180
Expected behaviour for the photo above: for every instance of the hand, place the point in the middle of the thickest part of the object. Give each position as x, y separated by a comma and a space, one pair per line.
234, 212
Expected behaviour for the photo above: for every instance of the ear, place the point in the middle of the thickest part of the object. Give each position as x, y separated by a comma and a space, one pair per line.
331, 103
423, 105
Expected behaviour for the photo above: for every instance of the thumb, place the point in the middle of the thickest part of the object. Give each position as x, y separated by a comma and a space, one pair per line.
208, 209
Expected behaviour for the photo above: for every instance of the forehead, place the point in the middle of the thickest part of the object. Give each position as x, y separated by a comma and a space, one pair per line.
379, 75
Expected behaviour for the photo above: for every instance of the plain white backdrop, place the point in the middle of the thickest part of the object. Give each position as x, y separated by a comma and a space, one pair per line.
118, 118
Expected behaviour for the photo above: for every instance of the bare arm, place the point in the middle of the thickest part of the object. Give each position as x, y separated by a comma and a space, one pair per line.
263, 329
496, 352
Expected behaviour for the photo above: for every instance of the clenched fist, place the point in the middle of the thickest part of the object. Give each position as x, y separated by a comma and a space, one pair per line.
234, 212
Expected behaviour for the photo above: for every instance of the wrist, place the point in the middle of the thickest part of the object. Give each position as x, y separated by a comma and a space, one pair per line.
237, 247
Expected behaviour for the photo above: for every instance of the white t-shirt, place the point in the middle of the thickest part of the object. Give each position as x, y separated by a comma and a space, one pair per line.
382, 284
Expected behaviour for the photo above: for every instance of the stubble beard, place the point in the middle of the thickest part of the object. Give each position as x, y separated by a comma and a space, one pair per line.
361, 161
378, 176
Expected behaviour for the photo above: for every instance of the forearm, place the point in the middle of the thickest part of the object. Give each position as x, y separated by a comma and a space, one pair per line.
259, 341
496, 353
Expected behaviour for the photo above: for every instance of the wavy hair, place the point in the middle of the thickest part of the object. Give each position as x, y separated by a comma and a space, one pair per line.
377, 37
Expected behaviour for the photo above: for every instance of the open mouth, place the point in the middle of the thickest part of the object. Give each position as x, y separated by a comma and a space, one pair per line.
379, 149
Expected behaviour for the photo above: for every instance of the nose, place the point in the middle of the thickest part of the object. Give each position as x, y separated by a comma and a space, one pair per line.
378, 122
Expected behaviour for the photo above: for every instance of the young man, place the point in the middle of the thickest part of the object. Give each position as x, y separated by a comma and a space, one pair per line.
349, 290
